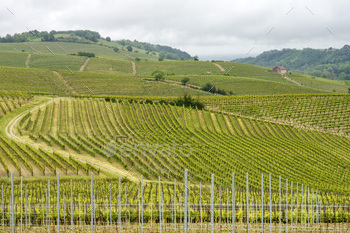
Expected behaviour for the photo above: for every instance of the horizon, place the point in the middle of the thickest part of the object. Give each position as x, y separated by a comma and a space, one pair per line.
221, 30
206, 58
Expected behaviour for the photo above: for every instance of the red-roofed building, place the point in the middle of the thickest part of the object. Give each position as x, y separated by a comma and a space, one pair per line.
280, 69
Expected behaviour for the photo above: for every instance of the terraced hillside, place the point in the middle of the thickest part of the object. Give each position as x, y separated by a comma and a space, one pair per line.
68, 83
12, 100
70, 48
246, 86
162, 140
321, 112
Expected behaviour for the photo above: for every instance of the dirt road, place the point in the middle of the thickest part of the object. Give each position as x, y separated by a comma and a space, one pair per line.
220, 67
85, 63
9, 132
27, 60
133, 68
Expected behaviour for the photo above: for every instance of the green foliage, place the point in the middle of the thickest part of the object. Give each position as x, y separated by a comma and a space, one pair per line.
116, 50
82, 36
185, 80
137, 59
158, 75
108, 39
328, 63
208, 87
188, 101
195, 58
129, 48
86, 54
160, 59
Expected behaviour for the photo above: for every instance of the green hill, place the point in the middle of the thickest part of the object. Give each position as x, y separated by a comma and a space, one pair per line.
328, 63
87, 41
241, 145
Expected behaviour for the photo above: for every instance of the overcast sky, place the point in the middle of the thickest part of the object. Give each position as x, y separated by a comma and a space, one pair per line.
220, 29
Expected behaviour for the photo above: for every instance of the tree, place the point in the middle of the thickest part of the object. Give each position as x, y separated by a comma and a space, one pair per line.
108, 39
160, 59
137, 59
185, 80
195, 58
116, 49
188, 101
158, 75
87, 54
129, 48
209, 88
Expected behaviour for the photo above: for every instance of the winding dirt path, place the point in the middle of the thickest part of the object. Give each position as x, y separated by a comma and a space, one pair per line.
69, 87
133, 68
32, 48
220, 67
9, 132
85, 63
27, 60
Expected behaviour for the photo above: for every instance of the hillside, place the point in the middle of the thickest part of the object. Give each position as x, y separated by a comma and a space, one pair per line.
241, 144
327, 63
87, 41
318, 112
136, 76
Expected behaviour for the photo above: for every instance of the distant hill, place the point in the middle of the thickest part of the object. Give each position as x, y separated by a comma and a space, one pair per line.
91, 37
327, 63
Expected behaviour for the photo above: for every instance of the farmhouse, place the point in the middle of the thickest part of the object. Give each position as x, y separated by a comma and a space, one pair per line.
280, 69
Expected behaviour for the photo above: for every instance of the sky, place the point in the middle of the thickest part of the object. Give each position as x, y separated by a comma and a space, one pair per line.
220, 29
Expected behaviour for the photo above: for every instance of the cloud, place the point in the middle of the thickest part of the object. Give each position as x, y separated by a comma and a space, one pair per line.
221, 28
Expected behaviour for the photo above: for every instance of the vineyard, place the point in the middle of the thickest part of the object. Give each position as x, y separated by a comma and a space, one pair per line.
102, 49
55, 62
245, 85
121, 205
106, 148
325, 113
12, 100
155, 139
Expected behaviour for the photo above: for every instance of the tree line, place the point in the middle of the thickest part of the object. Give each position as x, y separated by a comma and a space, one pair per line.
82, 36
328, 63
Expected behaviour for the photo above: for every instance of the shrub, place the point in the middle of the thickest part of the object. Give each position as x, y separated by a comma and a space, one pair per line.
158, 75
185, 80
86, 54
188, 101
